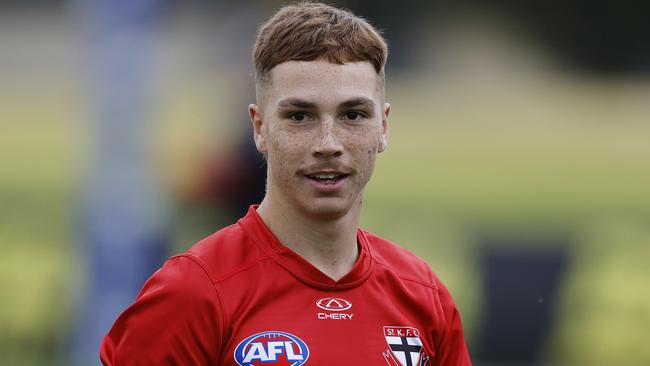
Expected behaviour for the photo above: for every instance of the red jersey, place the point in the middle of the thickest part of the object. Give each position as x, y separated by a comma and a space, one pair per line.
239, 297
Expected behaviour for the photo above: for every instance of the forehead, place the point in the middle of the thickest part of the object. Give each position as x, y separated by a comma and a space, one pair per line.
322, 81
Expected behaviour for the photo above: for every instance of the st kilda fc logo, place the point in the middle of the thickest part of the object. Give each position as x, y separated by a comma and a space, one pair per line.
271, 348
404, 347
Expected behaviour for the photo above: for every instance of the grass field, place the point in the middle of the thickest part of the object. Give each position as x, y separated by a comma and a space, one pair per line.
534, 158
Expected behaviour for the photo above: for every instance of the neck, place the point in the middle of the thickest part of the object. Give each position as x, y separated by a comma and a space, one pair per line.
329, 244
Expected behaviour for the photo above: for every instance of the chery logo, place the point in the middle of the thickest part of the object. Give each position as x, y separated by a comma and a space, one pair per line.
333, 304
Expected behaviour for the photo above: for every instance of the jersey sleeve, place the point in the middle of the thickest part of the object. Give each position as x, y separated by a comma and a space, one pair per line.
452, 350
176, 320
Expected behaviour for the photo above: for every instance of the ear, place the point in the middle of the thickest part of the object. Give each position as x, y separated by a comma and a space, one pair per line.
258, 128
383, 142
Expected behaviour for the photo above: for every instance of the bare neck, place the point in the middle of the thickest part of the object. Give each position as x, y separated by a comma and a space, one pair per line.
328, 244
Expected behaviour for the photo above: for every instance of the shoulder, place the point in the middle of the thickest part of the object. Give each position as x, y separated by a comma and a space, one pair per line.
226, 252
401, 262
181, 275
177, 316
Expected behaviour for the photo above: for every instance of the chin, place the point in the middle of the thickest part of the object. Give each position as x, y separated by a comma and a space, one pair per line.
328, 208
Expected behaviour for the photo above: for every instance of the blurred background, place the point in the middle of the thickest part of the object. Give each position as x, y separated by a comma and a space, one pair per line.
517, 164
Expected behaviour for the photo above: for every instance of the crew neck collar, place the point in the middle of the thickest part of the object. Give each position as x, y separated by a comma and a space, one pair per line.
298, 266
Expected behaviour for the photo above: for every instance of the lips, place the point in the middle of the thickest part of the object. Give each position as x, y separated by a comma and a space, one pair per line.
328, 182
327, 178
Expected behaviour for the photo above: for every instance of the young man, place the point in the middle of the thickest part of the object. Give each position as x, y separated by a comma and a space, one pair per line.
296, 281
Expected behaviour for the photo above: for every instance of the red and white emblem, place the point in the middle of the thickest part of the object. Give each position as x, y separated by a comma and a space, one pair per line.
404, 347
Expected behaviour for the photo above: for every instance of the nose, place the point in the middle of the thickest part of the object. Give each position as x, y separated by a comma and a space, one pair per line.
327, 142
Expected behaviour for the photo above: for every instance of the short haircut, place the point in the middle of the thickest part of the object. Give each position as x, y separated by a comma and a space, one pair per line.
311, 31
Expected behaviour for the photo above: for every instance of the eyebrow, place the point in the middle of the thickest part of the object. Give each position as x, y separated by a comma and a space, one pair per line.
358, 101
296, 102
301, 103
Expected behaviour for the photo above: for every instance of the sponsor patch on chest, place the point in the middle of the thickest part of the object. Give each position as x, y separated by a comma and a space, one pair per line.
335, 309
271, 348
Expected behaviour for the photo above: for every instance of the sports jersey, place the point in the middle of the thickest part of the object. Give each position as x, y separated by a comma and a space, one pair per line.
240, 297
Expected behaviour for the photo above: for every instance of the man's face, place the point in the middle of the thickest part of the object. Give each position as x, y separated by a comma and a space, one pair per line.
320, 125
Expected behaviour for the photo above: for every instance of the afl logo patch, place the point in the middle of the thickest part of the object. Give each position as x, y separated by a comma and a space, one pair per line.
333, 304
271, 348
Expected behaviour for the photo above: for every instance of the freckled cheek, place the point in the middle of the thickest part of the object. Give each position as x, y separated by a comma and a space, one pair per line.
287, 153
364, 156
